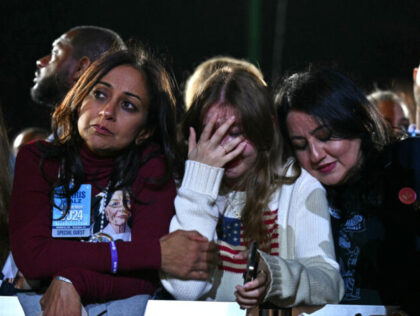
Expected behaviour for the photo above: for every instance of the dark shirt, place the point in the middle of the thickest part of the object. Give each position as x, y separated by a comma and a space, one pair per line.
376, 250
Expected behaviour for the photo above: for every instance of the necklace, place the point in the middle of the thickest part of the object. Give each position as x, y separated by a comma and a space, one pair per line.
102, 205
101, 236
229, 204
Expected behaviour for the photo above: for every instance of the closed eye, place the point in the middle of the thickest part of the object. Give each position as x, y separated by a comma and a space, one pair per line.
299, 145
323, 133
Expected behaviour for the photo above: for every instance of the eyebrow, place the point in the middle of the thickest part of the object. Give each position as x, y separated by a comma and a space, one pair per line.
313, 132
318, 128
125, 92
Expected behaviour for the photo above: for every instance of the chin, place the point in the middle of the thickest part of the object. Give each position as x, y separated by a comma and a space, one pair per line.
232, 174
331, 180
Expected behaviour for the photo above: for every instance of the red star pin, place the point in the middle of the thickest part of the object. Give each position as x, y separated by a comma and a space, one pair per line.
407, 196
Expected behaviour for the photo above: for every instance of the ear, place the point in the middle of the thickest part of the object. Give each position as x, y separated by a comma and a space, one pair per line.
143, 135
81, 66
415, 74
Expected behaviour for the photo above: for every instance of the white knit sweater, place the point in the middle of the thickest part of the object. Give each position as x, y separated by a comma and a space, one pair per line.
302, 260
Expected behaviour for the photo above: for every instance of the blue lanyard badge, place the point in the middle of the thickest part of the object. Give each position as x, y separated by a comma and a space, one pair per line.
77, 221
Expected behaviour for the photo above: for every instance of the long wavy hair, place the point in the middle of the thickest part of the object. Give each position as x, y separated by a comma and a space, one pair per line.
336, 102
248, 94
5, 190
161, 122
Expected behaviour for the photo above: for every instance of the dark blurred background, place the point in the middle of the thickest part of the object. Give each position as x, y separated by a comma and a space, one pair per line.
375, 42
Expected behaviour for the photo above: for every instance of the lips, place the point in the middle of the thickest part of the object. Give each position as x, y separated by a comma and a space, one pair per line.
233, 163
37, 74
102, 130
325, 168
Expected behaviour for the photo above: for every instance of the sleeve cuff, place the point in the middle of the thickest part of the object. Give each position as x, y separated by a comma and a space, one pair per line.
202, 178
76, 279
264, 256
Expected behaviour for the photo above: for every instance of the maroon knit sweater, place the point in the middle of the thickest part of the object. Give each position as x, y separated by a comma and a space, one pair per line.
88, 265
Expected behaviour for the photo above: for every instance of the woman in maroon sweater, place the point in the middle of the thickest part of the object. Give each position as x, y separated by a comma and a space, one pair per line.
113, 132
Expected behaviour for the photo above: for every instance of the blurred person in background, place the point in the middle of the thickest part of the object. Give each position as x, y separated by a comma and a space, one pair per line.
71, 54
27, 135
392, 108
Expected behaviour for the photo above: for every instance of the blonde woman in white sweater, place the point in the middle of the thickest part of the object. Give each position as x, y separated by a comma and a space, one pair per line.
233, 192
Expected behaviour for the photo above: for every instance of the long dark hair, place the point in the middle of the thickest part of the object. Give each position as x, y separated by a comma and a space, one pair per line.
160, 121
336, 102
248, 94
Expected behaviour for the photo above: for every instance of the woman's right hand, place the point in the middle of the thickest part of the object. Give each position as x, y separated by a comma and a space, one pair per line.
61, 298
212, 149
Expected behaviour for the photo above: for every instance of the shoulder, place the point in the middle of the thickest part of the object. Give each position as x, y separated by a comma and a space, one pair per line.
307, 182
33, 149
29, 160
154, 163
406, 153
306, 190
153, 172
304, 179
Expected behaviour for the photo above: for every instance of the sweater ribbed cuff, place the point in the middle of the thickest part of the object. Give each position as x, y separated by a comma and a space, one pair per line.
275, 274
202, 178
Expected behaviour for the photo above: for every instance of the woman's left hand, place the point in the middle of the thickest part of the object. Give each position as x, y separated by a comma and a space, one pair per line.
251, 294
211, 149
61, 298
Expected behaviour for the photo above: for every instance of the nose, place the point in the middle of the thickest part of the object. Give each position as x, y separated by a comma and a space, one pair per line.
43, 61
317, 153
108, 111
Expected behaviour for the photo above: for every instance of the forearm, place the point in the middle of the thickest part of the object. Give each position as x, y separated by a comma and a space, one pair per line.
195, 210
309, 281
195, 207
305, 270
94, 286
31, 219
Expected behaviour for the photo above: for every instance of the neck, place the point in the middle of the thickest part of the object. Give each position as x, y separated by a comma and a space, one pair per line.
230, 185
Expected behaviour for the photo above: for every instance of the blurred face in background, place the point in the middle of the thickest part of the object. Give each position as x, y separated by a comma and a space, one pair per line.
328, 159
53, 77
393, 112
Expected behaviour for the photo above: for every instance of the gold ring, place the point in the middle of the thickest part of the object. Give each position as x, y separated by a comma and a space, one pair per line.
224, 149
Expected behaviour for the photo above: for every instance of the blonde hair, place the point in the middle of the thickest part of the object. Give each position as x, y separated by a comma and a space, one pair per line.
203, 71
